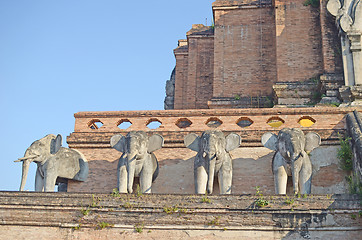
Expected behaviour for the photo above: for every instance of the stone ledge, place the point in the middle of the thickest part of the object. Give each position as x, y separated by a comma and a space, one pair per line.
233, 215
237, 212
240, 4
210, 112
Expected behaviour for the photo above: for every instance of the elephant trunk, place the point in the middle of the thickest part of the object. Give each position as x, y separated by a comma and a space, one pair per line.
295, 173
131, 167
26, 164
211, 160
27, 159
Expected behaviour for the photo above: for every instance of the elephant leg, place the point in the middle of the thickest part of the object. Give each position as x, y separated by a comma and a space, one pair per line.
39, 181
225, 180
131, 168
280, 180
200, 180
210, 181
146, 180
122, 176
305, 178
49, 182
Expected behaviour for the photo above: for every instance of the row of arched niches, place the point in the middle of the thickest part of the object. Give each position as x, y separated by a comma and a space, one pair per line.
212, 122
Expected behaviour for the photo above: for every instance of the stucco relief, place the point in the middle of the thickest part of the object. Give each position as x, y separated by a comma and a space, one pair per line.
349, 21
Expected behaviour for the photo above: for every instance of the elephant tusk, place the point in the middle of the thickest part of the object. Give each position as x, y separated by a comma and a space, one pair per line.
26, 158
204, 155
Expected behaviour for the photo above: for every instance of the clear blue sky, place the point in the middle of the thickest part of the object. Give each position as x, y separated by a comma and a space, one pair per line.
59, 57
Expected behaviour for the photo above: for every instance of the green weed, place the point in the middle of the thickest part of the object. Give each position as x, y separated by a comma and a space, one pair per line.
127, 205
139, 227
313, 3
115, 193
344, 154
214, 222
95, 201
77, 227
85, 211
260, 201
102, 225
205, 199
355, 186
289, 201
138, 191
171, 210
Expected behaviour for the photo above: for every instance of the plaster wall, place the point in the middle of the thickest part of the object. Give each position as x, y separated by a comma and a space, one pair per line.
251, 168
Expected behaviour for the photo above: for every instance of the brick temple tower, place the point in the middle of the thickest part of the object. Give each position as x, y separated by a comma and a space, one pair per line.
257, 54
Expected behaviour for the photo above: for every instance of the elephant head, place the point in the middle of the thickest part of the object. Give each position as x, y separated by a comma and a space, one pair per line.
38, 152
213, 157
292, 146
53, 161
137, 159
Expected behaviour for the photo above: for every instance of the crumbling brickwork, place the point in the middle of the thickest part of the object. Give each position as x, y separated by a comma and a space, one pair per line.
298, 41
244, 51
194, 69
252, 46
43, 216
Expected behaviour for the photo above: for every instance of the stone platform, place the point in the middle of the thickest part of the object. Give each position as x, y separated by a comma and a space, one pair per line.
29, 215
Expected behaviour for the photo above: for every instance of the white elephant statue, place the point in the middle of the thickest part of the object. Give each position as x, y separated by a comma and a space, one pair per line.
212, 158
291, 158
137, 160
55, 163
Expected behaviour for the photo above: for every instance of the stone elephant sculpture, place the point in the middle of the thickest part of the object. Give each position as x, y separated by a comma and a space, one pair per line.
54, 163
291, 158
137, 160
212, 158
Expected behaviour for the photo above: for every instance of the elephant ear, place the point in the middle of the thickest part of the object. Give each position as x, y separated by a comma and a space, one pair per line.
312, 140
155, 142
192, 141
55, 144
233, 141
333, 7
270, 140
118, 142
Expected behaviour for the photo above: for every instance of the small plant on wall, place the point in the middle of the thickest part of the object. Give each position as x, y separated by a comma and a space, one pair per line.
344, 154
260, 201
313, 3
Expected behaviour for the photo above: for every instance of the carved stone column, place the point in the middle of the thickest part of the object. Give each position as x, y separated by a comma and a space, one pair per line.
348, 15
355, 38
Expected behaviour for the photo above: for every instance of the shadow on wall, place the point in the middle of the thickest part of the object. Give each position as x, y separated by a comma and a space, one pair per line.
102, 178
176, 176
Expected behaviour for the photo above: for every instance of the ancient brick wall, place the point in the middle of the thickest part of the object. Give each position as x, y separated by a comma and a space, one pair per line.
331, 43
39, 216
298, 41
194, 69
252, 162
181, 54
244, 52
255, 45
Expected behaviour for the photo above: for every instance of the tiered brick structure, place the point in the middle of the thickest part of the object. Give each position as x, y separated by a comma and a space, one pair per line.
255, 50
251, 162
